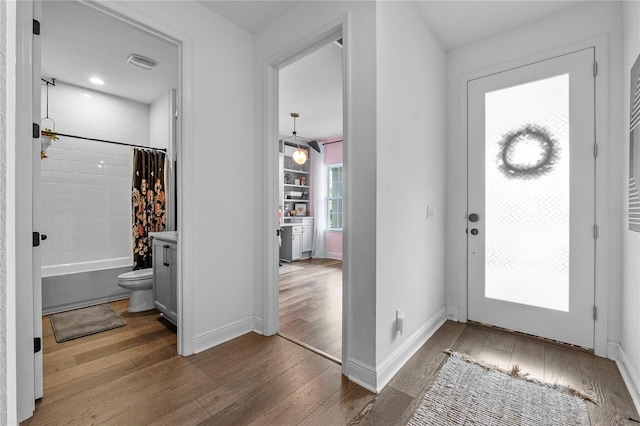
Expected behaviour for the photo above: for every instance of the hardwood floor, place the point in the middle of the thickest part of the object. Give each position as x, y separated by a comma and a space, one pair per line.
133, 376
311, 305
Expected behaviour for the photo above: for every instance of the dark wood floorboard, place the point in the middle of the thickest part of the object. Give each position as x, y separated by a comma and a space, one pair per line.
133, 376
311, 304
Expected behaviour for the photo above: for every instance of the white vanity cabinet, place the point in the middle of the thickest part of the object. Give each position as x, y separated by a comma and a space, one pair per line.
297, 239
165, 271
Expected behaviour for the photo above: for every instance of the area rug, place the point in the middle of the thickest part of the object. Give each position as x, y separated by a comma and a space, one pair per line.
287, 267
469, 393
83, 322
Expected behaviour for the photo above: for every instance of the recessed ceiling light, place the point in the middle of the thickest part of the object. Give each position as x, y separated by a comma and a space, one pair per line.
96, 80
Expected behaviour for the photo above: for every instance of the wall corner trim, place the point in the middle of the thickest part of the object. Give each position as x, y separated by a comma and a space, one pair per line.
362, 374
394, 362
223, 334
628, 373
452, 313
258, 325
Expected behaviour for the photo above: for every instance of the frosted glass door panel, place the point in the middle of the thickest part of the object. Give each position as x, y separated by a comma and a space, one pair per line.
527, 193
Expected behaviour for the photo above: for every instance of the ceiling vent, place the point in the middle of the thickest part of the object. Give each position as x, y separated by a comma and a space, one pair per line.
141, 62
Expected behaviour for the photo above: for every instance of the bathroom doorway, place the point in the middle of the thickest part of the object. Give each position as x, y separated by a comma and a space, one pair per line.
310, 200
108, 87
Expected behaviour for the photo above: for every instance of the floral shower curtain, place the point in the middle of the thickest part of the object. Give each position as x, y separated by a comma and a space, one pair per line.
148, 198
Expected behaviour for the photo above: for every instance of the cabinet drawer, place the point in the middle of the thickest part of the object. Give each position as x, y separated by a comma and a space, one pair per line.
296, 229
307, 221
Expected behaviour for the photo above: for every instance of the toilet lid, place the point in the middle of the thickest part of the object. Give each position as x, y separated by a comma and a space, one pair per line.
140, 274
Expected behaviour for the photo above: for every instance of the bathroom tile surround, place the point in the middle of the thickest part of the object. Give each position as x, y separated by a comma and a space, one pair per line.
86, 185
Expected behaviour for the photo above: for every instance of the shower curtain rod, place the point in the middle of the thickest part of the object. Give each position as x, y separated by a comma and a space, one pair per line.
102, 140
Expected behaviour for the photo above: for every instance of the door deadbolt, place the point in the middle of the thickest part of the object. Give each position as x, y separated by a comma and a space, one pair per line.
474, 231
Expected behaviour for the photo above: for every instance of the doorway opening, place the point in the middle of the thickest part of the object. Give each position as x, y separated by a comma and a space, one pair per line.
310, 200
103, 102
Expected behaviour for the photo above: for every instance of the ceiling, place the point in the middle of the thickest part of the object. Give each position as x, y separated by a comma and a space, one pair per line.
457, 23
252, 16
79, 42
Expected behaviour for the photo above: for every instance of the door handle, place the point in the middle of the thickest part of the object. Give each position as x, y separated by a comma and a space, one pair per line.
473, 217
164, 256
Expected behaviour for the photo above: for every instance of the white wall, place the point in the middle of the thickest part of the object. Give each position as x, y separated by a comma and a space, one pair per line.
288, 35
411, 175
86, 185
215, 244
4, 383
159, 124
586, 20
631, 240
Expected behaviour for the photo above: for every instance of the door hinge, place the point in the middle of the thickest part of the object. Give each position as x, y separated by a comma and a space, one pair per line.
595, 312
36, 239
35, 131
37, 344
595, 68
595, 232
36, 27
595, 150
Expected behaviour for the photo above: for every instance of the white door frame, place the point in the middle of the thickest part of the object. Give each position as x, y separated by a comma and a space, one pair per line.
21, 401
19, 211
601, 188
270, 134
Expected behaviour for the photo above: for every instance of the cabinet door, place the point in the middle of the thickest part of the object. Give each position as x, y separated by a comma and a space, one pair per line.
172, 252
307, 238
296, 243
161, 288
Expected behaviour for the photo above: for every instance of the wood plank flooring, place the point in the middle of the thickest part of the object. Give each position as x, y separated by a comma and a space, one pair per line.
133, 376
311, 304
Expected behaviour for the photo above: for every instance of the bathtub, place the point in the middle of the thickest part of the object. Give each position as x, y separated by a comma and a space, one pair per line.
76, 285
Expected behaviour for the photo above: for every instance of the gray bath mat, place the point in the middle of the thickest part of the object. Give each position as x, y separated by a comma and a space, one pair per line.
83, 322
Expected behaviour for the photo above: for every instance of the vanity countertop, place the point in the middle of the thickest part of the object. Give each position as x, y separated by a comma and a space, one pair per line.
294, 220
169, 236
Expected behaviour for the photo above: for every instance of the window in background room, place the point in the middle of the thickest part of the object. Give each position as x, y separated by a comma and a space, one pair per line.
334, 199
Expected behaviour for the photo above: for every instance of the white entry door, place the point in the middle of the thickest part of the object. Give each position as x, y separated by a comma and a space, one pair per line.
531, 199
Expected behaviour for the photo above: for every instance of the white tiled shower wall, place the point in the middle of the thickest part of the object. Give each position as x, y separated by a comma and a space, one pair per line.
86, 185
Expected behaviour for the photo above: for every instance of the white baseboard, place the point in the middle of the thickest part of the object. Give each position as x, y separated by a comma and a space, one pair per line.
258, 325
452, 313
394, 362
362, 374
223, 334
613, 351
628, 373
337, 256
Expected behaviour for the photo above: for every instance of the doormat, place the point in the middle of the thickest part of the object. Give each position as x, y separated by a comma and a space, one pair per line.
470, 393
83, 322
287, 267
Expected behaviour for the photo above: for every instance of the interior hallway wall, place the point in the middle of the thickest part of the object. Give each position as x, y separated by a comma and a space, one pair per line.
630, 341
4, 417
586, 20
217, 266
411, 178
297, 26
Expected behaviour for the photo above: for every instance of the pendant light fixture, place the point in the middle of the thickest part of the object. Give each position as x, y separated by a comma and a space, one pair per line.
299, 156
48, 133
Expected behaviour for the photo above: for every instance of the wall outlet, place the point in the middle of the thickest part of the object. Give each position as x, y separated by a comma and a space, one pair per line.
429, 211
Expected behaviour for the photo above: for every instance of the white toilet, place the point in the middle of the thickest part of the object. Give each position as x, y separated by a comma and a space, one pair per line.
140, 283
